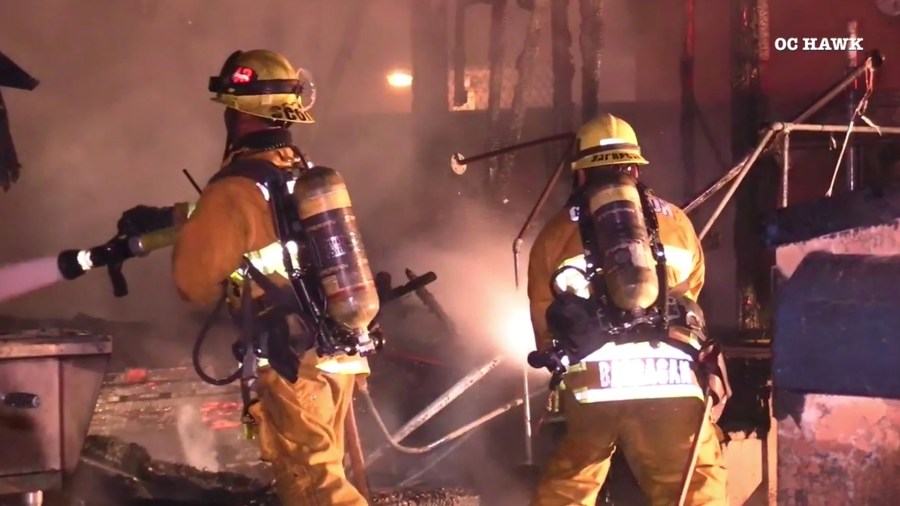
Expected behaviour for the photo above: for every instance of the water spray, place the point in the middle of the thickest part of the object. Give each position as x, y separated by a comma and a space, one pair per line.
24, 277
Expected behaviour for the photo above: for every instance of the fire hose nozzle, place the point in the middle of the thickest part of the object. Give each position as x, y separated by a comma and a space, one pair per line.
72, 263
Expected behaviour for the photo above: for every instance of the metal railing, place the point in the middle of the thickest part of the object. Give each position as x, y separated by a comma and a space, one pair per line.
787, 128
740, 170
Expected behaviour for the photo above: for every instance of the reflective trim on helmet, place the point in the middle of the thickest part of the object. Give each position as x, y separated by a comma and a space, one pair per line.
611, 157
602, 148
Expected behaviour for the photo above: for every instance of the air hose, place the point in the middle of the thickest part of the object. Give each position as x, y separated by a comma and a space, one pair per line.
198, 347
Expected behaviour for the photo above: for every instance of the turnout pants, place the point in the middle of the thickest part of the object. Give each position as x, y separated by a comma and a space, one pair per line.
655, 436
301, 433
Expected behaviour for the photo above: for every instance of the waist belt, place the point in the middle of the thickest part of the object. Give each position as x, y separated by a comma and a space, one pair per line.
618, 372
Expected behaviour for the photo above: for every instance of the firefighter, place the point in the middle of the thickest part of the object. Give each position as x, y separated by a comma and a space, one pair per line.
299, 425
654, 428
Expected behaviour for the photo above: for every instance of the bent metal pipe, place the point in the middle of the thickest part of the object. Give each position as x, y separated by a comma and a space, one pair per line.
435, 407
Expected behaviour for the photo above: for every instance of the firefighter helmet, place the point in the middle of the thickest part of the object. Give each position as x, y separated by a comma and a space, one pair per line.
263, 83
607, 140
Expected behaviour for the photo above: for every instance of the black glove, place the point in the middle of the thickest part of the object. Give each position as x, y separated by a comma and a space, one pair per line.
574, 322
140, 220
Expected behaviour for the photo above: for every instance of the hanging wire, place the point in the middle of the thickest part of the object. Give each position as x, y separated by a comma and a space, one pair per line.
859, 113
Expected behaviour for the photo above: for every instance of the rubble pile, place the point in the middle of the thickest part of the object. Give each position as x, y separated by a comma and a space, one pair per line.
438, 497
115, 473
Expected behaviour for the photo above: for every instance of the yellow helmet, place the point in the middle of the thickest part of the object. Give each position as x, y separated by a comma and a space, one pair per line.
262, 83
607, 140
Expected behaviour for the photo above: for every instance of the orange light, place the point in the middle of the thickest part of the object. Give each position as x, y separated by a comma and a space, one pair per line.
399, 79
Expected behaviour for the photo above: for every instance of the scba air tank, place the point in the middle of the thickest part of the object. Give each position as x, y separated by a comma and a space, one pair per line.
623, 244
328, 220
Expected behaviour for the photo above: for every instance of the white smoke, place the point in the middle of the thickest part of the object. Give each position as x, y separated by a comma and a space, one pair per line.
197, 440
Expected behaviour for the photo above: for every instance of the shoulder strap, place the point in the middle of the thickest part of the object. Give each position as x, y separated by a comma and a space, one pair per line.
659, 254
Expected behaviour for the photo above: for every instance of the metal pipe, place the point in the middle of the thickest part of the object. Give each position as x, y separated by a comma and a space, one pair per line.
484, 419
432, 409
717, 185
458, 159
873, 61
737, 181
542, 199
526, 416
807, 127
785, 168
851, 171
411, 480
395, 444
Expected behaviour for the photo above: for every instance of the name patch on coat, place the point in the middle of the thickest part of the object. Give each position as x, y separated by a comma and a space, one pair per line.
631, 371
644, 372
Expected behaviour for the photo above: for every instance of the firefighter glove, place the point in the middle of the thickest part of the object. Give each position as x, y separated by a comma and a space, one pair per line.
140, 220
